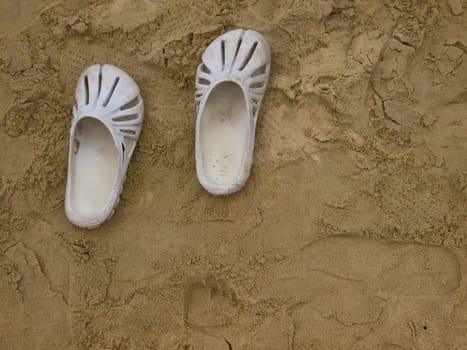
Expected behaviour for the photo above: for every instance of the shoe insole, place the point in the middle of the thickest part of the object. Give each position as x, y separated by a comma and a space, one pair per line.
223, 133
94, 167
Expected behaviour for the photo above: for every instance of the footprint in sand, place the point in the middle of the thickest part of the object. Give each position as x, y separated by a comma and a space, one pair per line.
338, 293
211, 313
34, 315
215, 319
17, 153
210, 303
354, 293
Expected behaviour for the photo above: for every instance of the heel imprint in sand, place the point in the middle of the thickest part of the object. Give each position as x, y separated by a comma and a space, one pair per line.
107, 120
230, 85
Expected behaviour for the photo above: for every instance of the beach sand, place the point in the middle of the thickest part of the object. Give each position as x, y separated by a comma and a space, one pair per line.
351, 232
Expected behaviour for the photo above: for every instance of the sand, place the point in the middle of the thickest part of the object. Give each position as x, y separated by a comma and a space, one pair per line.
350, 234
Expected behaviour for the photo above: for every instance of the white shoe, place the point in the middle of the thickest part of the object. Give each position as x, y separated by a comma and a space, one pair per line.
106, 124
230, 85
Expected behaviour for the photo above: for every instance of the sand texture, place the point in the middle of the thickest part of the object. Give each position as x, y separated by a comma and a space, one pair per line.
351, 232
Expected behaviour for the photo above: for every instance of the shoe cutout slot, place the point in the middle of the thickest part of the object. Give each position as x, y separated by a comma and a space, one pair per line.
100, 82
86, 89
260, 71
223, 133
94, 169
205, 69
203, 81
257, 85
239, 43
249, 56
111, 92
128, 132
133, 103
125, 118
123, 151
223, 54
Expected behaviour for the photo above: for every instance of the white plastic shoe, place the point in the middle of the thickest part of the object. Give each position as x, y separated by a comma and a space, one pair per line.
230, 85
107, 120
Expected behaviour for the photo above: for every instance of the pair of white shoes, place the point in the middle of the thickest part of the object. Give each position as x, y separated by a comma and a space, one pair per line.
108, 116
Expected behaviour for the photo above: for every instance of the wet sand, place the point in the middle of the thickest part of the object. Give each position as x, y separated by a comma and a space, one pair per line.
351, 232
